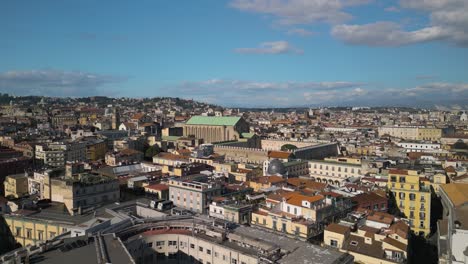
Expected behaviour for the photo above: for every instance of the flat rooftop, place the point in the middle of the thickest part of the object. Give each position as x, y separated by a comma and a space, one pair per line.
298, 251
57, 212
84, 250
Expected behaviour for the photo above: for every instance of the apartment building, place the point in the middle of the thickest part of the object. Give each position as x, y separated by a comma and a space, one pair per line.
411, 132
419, 147
413, 197
53, 156
194, 194
231, 211
334, 171
80, 191
16, 185
300, 215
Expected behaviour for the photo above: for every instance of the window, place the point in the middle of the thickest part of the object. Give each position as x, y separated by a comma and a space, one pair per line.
234, 261
216, 254
160, 243
264, 221
208, 252
412, 197
295, 210
333, 243
287, 209
402, 195
192, 246
411, 215
224, 257
256, 219
51, 234
376, 207
18, 231
40, 235
172, 243
150, 244
421, 224
200, 249
396, 255
353, 243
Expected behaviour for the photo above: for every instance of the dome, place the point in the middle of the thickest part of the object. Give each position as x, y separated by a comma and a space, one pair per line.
276, 167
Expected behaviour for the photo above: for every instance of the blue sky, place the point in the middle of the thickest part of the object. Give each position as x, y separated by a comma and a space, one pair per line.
239, 52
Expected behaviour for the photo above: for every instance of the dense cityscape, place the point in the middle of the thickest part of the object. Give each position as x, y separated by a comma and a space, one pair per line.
234, 132
168, 180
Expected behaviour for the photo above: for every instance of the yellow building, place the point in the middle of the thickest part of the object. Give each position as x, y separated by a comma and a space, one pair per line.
283, 222
432, 134
16, 185
413, 198
27, 231
266, 182
96, 149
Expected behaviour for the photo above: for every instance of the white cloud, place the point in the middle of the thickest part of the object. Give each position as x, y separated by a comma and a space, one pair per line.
300, 32
274, 47
291, 12
448, 22
54, 83
385, 34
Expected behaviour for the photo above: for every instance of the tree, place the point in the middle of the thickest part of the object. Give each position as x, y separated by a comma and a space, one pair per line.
288, 147
152, 151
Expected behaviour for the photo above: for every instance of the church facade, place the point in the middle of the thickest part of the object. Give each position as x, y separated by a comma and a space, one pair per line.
216, 128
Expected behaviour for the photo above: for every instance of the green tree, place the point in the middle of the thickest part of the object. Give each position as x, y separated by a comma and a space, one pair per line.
287, 147
152, 151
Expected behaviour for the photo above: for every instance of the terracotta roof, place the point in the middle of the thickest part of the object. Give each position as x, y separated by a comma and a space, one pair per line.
336, 228
279, 154
364, 198
332, 194
278, 196
241, 170
397, 171
395, 243
158, 187
127, 152
138, 116
170, 156
296, 199
297, 182
400, 228
457, 193
450, 169
381, 217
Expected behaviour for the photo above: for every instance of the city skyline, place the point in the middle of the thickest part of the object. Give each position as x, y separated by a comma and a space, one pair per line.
240, 53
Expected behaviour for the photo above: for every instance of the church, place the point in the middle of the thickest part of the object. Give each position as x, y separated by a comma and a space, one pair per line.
216, 128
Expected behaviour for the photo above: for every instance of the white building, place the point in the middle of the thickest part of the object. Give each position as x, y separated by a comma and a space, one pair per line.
418, 147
